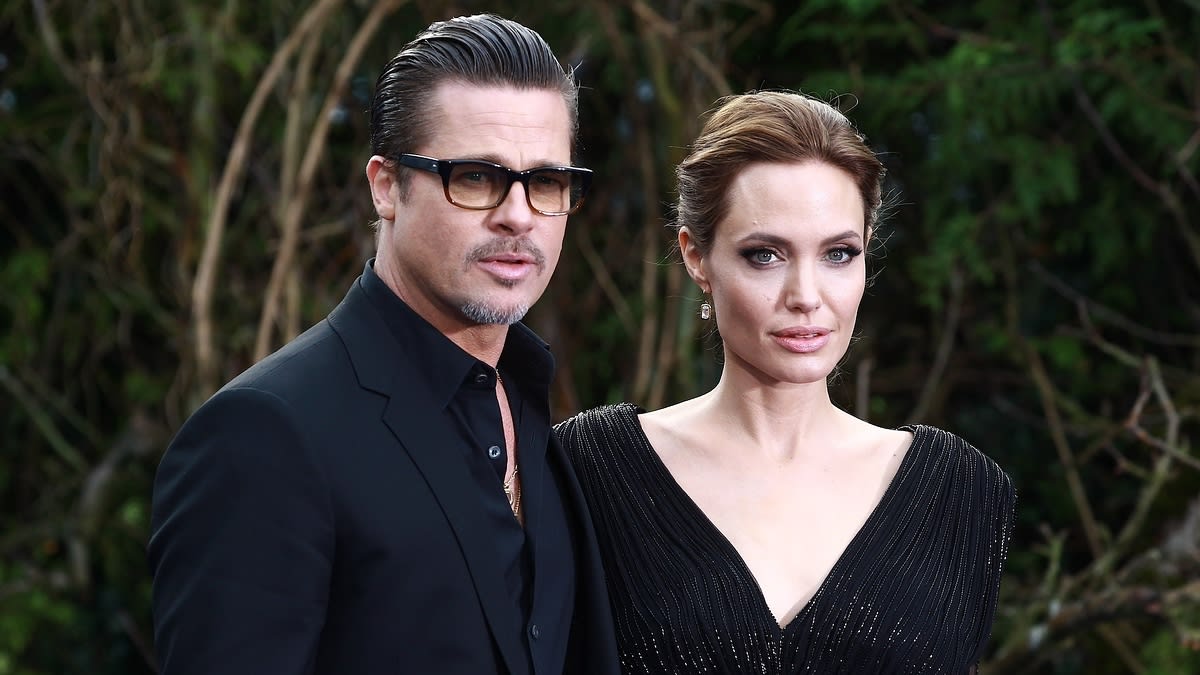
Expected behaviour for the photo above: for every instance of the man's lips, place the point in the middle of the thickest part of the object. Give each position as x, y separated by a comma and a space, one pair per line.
507, 260
509, 267
512, 259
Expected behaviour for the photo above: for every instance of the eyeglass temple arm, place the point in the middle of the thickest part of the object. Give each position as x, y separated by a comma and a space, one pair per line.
419, 162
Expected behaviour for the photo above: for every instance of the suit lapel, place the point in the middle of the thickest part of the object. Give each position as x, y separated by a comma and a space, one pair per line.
422, 430
417, 424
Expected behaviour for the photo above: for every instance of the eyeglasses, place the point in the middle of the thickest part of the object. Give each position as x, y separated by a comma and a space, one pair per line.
476, 184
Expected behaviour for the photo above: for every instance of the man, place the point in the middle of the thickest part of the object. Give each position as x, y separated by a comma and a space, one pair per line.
383, 494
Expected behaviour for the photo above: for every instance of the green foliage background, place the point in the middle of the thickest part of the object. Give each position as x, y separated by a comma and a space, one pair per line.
1035, 290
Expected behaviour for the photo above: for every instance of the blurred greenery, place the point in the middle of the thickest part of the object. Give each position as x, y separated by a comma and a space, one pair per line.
1035, 281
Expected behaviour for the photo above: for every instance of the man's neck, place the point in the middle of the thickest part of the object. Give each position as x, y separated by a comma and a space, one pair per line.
482, 341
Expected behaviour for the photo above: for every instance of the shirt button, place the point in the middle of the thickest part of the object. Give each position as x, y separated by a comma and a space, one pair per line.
534, 632
481, 378
494, 452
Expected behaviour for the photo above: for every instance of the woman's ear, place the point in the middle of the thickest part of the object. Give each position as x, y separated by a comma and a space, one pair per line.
693, 259
382, 180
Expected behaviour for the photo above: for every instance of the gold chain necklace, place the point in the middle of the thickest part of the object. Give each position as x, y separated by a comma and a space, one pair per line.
512, 490
512, 487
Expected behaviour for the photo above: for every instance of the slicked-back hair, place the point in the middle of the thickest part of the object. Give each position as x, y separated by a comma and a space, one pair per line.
483, 50
770, 127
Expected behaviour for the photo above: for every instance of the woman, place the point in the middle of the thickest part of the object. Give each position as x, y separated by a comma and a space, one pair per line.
758, 528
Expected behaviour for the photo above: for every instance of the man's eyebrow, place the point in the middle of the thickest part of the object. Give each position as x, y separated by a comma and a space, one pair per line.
496, 159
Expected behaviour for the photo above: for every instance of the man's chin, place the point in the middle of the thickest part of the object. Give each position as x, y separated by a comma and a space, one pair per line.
493, 314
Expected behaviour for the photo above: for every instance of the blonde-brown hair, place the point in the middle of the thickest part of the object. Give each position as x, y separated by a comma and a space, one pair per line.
769, 126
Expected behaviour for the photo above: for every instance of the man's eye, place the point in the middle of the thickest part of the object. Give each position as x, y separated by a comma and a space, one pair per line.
549, 180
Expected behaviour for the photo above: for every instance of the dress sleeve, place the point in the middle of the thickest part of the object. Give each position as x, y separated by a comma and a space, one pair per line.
999, 505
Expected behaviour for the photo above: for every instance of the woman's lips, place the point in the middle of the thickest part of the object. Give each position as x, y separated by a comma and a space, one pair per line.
802, 340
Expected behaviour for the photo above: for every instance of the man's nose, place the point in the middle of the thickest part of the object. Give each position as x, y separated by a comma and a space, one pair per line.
514, 214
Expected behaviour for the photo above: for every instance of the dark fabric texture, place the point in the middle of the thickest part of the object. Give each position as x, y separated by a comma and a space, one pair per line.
464, 388
914, 592
320, 516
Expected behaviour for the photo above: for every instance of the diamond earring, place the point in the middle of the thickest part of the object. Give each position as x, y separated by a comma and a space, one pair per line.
705, 311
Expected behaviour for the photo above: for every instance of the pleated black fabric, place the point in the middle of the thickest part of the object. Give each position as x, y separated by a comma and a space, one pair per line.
914, 592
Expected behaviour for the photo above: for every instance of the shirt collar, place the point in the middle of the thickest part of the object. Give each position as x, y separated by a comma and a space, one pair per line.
525, 361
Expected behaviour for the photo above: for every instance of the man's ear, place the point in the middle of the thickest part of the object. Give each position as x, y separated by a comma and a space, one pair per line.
384, 190
693, 259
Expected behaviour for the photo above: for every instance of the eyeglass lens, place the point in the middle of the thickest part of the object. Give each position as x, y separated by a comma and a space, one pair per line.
483, 186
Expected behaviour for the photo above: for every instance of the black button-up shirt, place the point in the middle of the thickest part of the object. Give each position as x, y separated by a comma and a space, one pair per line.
464, 387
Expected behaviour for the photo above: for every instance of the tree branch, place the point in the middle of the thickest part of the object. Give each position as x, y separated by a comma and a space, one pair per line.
235, 165
1041, 379
945, 346
308, 169
1137, 602
42, 421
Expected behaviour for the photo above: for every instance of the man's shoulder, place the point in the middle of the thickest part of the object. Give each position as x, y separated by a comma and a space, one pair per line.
308, 358
291, 394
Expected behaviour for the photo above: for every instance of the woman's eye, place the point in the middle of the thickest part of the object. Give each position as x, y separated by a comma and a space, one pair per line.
761, 256
843, 255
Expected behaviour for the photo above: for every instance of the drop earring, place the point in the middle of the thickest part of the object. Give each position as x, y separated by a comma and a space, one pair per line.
705, 311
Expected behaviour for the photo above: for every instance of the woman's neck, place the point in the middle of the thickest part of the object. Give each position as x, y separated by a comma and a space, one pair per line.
781, 421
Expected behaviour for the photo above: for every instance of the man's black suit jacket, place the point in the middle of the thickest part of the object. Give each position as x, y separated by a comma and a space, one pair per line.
306, 519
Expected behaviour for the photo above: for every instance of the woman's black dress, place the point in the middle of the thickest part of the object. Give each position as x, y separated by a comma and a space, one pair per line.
914, 592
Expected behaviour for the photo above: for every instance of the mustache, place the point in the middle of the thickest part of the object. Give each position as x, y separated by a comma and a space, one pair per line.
500, 246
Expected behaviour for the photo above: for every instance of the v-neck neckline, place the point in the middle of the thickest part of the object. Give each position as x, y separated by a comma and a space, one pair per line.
864, 531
